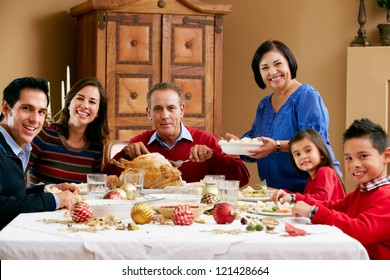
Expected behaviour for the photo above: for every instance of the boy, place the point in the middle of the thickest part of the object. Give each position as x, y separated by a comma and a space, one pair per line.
363, 214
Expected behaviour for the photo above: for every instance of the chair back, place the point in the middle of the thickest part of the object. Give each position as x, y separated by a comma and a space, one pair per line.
113, 147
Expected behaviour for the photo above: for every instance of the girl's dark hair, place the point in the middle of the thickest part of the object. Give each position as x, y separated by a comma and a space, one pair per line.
264, 48
366, 128
11, 93
317, 140
97, 131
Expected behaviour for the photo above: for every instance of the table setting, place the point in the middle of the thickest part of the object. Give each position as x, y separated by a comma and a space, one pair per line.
144, 214
142, 232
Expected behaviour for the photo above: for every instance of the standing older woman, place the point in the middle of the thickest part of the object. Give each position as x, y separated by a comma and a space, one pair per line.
290, 108
69, 149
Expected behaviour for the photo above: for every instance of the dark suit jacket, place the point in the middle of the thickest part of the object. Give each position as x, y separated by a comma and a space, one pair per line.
14, 197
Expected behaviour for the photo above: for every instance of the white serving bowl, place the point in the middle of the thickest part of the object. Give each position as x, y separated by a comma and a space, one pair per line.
239, 148
118, 208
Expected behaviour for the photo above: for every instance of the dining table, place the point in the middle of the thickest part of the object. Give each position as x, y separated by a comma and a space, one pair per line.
30, 236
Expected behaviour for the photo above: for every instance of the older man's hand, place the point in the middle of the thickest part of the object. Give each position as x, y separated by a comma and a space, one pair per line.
200, 153
134, 150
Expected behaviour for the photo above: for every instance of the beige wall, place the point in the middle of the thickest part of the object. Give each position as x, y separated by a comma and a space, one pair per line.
38, 39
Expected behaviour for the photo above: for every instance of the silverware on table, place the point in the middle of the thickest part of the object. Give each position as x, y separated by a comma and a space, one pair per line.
178, 163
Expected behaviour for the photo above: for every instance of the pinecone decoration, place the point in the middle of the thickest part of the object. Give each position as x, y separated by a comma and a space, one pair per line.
182, 215
81, 212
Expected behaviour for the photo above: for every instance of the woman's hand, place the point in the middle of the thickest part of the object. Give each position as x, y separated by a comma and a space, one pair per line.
269, 146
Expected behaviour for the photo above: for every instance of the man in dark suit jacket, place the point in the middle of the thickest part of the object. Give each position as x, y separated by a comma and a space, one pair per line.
23, 113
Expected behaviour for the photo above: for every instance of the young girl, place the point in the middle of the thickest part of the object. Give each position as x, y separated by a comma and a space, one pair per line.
308, 153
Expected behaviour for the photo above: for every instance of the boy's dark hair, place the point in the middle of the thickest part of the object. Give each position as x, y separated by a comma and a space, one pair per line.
366, 128
316, 138
11, 93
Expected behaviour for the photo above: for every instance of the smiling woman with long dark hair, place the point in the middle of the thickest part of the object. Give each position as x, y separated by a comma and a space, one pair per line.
73, 147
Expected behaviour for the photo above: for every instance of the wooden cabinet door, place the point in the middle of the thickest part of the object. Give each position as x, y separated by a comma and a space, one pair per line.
143, 49
133, 66
191, 65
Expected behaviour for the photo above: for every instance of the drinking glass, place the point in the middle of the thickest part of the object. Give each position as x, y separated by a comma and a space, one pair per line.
228, 191
213, 179
97, 185
136, 179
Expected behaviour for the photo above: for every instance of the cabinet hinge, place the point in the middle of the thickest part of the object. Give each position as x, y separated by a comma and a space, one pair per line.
217, 22
103, 18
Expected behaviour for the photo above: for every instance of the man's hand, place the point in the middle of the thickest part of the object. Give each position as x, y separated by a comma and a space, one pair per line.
134, 150
67, 199
230, 136
200, 153
67, 187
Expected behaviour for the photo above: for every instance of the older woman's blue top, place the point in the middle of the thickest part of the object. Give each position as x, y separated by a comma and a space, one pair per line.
303, 109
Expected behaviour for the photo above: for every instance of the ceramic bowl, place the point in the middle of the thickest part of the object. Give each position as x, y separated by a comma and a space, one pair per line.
117, 208
239, 148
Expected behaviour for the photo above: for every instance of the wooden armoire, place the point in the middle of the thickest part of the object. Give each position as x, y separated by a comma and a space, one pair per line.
129, 45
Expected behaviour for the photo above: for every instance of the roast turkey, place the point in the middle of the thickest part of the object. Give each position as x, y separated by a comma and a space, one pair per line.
158, 171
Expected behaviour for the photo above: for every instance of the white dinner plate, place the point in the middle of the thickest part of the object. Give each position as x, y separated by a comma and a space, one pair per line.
176, 197
83, 188
280, 214
253, 199
152, 191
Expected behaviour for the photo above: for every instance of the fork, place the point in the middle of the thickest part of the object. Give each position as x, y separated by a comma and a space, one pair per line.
178, 163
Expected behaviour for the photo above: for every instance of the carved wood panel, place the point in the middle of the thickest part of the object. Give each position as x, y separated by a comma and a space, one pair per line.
131, 45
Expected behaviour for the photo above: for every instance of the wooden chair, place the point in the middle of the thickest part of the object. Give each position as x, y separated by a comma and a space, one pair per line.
112, 148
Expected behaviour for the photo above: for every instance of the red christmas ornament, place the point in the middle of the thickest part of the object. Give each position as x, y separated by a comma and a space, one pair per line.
113, 195
81, 212
182, 215
224, 213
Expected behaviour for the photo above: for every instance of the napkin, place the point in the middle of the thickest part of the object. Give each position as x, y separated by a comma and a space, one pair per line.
293, 231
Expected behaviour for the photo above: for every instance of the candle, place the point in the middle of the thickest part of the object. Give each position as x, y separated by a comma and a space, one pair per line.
62, 94
49, 101
67, 79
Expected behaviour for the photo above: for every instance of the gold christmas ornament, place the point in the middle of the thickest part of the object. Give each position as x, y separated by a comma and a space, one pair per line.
141, 213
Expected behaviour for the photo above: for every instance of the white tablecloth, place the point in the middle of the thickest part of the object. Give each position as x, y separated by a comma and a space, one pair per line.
27, 237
